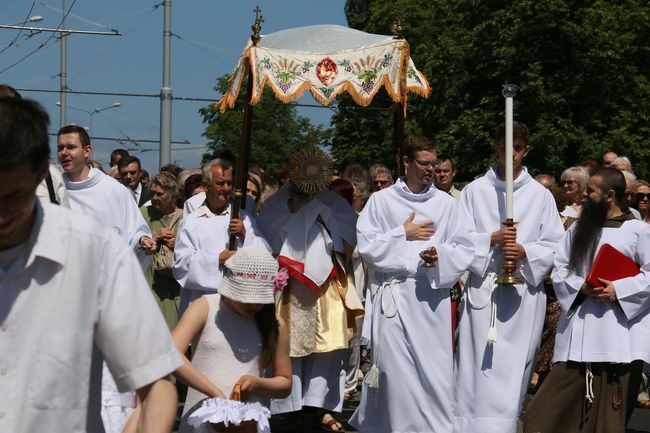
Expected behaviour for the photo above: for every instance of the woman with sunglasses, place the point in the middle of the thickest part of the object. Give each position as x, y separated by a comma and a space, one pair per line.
642, 198
574, 181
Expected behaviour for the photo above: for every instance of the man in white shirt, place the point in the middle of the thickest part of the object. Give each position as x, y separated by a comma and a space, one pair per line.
99, 196
202, 242
604, 332
415, 245
500, 325
64, 277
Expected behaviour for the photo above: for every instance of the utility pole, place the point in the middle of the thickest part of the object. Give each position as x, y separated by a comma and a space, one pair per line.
166, 90
64, 70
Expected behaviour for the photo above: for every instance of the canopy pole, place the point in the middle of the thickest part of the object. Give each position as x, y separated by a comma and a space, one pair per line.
398, 135
398, 107
241, 177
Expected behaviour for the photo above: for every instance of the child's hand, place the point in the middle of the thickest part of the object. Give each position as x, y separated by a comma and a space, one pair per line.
245, 388
218, 394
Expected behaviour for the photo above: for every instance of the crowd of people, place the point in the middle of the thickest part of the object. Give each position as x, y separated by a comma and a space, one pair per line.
276, 305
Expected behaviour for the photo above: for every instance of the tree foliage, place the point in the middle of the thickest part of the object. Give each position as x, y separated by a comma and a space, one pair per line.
581, 68
277, 130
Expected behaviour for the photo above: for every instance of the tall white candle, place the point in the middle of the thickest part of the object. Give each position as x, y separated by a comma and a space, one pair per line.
509, 174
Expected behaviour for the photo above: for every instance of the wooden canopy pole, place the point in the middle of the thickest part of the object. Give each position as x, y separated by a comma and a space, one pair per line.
241, 177
398, 135
398, 107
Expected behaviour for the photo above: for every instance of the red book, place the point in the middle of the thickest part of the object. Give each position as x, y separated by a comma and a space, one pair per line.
610, 264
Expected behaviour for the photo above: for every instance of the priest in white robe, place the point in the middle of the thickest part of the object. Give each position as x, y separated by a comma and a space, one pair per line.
603, 335
312, 231
416, 247
99, 196
202, 243
500, 325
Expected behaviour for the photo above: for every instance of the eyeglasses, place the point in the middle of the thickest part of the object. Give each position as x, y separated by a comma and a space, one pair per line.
426, 164
642, 196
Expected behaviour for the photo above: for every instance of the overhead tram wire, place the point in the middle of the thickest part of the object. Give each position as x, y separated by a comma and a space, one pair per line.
136, 141
29, 14
126, 33
197, 46
44, 43
129, 15
190, 99
85, 20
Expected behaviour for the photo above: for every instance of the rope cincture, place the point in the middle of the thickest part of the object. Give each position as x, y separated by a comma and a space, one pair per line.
386, 293
589, 384
492, 331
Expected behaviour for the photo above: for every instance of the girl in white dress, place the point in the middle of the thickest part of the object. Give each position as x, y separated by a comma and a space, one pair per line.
236, 336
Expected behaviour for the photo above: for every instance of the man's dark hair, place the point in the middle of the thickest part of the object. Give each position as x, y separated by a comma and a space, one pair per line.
6, 91
122, 152
613, 179
76, 129
443, 157
519, 130
171, 169
130, 159
418, 144
23, 134
591, 165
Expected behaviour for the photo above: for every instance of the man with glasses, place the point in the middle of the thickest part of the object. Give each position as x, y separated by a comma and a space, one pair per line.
416, 247
501, 325
202, 243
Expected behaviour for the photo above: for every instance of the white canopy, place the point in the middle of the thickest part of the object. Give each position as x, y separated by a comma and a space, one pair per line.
327, 60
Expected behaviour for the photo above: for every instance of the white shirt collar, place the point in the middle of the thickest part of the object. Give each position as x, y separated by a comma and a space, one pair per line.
204, 211
138, 191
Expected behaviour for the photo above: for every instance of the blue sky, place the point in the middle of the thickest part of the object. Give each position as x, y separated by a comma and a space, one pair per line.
211, 35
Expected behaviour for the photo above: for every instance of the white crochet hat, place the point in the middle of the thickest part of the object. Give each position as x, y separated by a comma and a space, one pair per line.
249, 276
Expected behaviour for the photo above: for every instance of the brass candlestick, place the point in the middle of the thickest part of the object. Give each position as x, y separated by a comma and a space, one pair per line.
509, 266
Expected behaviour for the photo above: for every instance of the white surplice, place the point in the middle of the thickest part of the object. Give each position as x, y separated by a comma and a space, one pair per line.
492, 377
202, 236
599, 331
410, 310
108, 201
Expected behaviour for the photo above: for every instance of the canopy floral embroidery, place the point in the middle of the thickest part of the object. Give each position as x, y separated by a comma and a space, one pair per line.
327, 60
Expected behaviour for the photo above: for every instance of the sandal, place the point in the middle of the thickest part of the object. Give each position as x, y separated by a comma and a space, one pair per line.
331, 425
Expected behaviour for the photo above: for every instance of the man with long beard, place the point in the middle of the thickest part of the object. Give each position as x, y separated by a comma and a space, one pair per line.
603, 334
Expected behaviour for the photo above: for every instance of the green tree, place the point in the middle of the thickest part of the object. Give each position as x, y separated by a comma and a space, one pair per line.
277, 130
581, 67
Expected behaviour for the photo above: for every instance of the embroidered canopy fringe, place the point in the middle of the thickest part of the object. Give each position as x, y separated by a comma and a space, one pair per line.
328, 60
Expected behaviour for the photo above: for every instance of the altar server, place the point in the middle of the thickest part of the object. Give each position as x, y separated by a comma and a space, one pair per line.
500, 325
416, 247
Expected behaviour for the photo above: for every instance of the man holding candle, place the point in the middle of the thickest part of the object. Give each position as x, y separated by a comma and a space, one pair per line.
500, 325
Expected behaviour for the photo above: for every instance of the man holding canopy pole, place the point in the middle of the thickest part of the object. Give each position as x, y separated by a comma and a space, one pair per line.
502, 314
